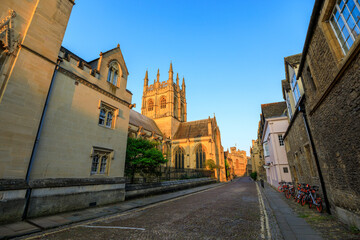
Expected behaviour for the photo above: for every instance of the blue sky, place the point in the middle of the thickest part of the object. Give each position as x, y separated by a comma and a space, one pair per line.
230, 52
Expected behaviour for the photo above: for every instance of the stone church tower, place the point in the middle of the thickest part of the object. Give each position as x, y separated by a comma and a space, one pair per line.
165, 102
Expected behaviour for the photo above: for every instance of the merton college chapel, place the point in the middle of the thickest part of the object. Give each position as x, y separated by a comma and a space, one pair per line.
163, 118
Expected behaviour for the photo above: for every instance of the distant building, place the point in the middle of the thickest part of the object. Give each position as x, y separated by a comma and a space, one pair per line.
257, 163
239, 161
248, 166
275, 125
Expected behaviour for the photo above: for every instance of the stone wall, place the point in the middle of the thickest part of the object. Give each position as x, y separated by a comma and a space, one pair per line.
140, 190
299, 153
334, 115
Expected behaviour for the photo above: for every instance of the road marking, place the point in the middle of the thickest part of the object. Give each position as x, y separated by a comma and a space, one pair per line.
94, 226
263, 216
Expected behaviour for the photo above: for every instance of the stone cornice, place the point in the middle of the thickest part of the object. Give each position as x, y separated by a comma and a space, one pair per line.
93, 86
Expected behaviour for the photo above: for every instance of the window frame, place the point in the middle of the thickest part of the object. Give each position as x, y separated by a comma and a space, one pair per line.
334, 23
100, 161
294, 85
179, 158
163, 103
150, 105
113, 74
200, 155
288, 104
108, 119
266, 149
281, 140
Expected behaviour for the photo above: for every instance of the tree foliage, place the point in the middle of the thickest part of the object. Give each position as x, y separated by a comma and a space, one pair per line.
212, 165
142, 157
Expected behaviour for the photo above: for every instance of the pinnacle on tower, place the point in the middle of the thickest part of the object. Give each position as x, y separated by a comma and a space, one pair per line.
146, 79
171, 73
170, 70
158, 76
177, 79
183, 84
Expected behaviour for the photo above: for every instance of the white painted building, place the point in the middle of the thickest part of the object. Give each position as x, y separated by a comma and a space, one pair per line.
276, 163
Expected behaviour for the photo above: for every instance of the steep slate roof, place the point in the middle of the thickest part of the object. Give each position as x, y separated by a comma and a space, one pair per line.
138, 120
192, 129
285, 86
276, 109
294, 59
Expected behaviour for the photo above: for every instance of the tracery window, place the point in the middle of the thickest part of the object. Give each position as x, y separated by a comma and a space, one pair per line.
344, 21
100, 161
106, 115
150, 105
200, 156
163, 102
179, 158
113, 73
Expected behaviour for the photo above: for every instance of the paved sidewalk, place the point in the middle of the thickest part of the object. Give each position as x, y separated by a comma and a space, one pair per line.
38, 224
291, 226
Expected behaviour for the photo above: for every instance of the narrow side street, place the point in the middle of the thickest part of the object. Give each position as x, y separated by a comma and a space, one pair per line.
241, 209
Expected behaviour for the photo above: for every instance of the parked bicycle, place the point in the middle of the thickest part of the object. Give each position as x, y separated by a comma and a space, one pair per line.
311, 199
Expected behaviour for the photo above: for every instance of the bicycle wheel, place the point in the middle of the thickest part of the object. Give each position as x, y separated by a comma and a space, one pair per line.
280, 188
303, 201
319, 206
287, 194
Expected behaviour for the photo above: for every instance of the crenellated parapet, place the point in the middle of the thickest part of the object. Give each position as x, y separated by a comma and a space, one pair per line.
78, 62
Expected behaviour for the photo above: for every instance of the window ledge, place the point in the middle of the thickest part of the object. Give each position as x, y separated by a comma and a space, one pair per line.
105, 126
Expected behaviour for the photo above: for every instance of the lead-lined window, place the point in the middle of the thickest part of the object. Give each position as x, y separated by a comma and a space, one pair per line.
345, 22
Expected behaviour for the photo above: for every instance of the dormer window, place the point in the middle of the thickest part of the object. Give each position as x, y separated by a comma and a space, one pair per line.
295, 88
113, 73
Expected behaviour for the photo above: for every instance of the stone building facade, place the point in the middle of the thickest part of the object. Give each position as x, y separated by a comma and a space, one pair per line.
28, 57
63, 120
298, 148
329, 68
239, 161
256, 158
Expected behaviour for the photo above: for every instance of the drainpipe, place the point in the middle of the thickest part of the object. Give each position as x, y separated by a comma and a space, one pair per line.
37, 140
302, 109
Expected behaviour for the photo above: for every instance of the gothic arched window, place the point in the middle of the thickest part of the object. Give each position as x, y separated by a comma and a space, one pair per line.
182, 112
200, 156
175, 107
2, 55
113, 73
163, 102
150, 105
179, 158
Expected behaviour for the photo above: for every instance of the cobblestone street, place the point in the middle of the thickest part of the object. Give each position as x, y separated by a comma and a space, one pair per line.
230, 211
